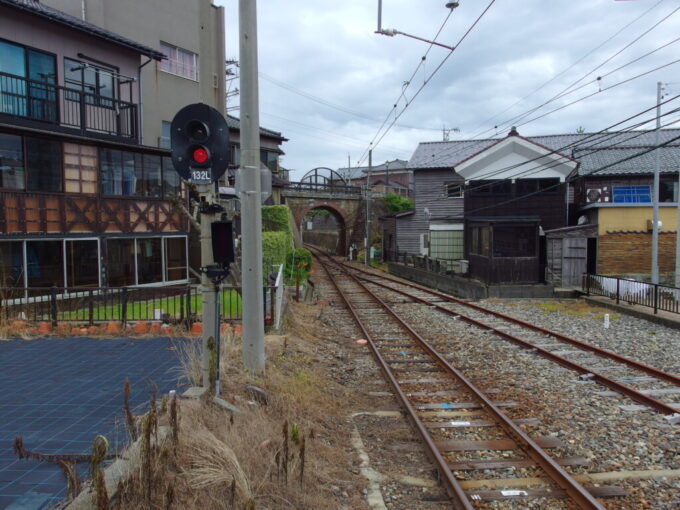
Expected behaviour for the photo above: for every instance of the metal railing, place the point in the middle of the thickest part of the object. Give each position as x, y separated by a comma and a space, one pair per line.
433, 265
91, 305
633, 292
70, 108
333, 189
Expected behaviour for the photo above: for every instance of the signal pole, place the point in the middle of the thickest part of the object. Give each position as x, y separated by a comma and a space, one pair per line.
655, 192
367, 255
208, 291
250, 194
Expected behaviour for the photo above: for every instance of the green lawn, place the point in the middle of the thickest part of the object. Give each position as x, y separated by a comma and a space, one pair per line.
230, 308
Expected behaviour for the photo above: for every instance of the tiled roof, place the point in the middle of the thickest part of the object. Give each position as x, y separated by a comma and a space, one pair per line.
357, 172
612, 148
235, 123
57, 16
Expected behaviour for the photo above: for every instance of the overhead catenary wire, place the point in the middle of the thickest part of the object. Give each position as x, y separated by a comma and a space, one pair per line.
378, 136
570, 88
567, 69
604, 132
597, 170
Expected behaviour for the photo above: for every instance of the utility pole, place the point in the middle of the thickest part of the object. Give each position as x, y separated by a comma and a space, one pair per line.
387, 176
250, 194
208, 290
655, 190
367, 256
677, 236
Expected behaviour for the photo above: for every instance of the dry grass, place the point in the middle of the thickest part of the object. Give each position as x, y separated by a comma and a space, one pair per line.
247, 461
575, 308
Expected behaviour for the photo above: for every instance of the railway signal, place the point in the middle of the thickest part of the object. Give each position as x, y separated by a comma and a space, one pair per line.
199, 138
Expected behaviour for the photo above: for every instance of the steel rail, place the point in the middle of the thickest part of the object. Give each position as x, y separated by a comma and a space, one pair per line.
659, 374
453, 488
632, 393
563, 479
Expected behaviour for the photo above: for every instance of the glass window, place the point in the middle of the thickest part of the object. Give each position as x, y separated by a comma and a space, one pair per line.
149, 183
514, 242
632, 194
165, 135
45, 263
446, 244
112, 171
668, 191
11, 162
171, 179
453, 189
42, 98
80, 168
235, 155
480, 241
119, 171
12, 59
12, 90
121, 262
270, 160
43, 164
131, 162
11, 265
82, 263
175, 258
180, 62
149, 260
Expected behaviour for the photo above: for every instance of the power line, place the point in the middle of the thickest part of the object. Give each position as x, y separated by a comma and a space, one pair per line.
583, 57
376, 140
569, 89
628, 158
606, 131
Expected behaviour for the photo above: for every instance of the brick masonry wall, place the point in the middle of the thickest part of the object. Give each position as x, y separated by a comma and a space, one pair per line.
625, 253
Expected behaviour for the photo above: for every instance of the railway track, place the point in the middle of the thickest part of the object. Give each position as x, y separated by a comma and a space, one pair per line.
632, 378
435, 395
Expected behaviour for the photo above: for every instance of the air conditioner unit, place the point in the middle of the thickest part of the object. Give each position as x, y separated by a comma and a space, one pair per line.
597, 195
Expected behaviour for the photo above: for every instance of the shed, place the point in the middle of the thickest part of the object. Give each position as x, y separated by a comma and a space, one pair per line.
571, 252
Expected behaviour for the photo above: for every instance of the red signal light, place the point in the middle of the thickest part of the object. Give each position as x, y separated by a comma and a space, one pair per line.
200, 155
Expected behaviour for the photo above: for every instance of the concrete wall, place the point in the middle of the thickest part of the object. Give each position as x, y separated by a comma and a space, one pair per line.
635, 218
466, 288
193, 25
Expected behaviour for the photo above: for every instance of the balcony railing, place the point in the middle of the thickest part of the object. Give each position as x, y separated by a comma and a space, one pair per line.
67, 108
333, 189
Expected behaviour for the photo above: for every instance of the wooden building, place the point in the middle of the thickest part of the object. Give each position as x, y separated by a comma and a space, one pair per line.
82, 202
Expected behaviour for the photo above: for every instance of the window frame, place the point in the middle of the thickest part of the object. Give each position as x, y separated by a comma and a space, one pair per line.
172, 62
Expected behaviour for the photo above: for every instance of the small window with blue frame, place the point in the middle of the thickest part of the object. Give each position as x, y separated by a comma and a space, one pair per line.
631, 194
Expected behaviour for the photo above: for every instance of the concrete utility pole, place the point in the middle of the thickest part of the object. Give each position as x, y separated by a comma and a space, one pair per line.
251, 212
367, 256
655, 191
677, 236
208, 290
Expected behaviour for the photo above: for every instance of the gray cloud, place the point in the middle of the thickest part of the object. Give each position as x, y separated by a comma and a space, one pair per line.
328, 49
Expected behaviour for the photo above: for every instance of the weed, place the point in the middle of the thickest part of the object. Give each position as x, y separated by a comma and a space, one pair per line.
295, 433
129, 419
100, 446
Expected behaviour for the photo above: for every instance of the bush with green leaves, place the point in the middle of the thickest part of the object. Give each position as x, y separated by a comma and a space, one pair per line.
396, 203
295, 258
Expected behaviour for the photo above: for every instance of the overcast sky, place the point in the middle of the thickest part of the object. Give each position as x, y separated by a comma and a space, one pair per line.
327, 81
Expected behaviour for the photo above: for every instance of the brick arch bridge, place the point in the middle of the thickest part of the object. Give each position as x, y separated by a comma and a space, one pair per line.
346, 205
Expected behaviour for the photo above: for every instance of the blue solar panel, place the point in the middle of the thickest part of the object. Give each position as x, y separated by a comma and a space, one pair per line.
59, 393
